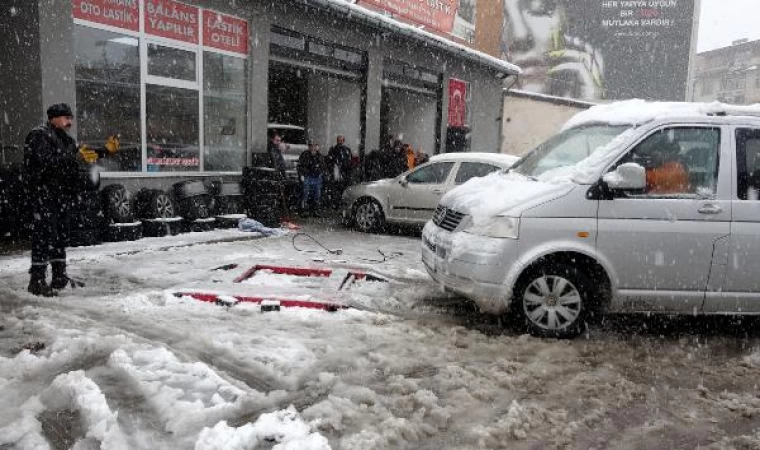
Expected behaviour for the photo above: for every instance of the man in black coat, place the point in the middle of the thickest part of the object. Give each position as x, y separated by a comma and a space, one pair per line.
311, 169
340, 167
51, 171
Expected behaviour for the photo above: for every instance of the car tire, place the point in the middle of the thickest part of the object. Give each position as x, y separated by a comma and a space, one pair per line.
117, 204
368, 215
554, 300
154, 204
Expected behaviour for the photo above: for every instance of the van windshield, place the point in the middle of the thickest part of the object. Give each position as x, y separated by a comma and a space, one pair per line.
567, 148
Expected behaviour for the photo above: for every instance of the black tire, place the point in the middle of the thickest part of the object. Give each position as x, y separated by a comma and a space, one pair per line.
554, 300
117, 204
154, 204
194, 208
228, 204
368, 215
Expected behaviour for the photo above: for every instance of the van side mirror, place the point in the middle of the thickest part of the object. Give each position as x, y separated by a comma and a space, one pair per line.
628, 176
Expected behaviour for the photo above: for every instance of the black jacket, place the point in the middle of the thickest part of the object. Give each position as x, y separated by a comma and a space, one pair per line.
278, 162
311, 165
51, 165
341, 155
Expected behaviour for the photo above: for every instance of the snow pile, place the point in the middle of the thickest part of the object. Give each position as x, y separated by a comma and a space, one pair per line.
752, 360
26, 432
493, 194
284, 427
185, 395
74, 391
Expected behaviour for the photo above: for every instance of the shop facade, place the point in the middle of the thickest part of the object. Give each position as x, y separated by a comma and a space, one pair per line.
174, 90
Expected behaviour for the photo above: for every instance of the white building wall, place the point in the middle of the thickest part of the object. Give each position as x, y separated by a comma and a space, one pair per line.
528, 122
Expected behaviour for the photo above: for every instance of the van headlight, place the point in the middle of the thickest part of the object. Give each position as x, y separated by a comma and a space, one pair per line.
495, 227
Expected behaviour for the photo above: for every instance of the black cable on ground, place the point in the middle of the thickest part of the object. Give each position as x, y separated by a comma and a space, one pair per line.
338, 251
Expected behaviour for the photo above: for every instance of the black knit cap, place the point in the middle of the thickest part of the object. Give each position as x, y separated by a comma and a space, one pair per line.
59, 109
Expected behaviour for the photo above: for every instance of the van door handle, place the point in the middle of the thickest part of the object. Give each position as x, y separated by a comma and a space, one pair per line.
438, 191
709, 208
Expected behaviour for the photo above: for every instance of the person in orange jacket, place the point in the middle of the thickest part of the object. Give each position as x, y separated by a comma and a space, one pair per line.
411, 158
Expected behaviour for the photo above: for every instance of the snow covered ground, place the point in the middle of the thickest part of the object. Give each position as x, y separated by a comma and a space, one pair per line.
125, 364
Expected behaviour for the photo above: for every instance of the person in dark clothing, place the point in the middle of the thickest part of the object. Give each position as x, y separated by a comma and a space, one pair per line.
51, 169
396, 162
311, 169
339, 161
275, 154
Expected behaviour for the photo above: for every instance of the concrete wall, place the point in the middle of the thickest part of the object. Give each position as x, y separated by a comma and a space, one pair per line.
528, 122
21, 86
334, 108
412, 118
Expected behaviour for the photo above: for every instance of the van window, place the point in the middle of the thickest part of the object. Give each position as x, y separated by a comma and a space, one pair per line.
748, 163
567, 148
679, 161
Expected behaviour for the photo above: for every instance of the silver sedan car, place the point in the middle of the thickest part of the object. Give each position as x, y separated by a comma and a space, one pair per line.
411, 197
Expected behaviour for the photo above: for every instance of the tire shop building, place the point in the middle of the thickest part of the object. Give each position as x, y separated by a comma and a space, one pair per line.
170, 91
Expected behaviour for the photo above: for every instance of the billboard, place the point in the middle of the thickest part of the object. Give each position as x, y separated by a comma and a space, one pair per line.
600, 49
447, 17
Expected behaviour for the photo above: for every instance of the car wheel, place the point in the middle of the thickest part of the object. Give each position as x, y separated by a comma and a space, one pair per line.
154, 204
368, 216
554, 301
117, 204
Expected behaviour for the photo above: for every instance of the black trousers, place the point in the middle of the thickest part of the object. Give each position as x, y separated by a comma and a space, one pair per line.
49, 233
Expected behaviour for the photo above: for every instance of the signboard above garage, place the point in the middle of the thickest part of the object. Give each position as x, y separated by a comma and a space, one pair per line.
168, 19
447, 17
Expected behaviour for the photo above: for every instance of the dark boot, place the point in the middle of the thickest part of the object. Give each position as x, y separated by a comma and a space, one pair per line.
37, 283
60, 278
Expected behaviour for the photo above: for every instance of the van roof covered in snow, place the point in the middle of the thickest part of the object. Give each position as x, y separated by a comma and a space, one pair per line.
637, 112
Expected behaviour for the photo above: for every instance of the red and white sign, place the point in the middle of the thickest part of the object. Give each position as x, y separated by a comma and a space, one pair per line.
116, 13
173, 20
457, 103
435, 14
225, 32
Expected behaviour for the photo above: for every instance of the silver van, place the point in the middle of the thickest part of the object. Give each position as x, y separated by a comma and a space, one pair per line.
633, 207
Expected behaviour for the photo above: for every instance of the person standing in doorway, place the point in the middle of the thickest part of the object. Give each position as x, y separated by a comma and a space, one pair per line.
274, 148
340, 157
51, 167
311, 169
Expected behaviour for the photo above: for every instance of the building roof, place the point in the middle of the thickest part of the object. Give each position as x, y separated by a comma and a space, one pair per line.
380, 21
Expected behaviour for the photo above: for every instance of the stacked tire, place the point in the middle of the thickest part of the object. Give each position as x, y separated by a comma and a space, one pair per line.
86, 218
118, 215
228, 204
157, 212
194, 203
263, 195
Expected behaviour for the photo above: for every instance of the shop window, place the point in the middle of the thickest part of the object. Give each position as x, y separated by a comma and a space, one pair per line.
172, 120
107, 72
169, 62
224, 104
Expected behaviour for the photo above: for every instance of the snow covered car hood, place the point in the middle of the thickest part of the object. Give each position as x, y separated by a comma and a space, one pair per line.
502, 194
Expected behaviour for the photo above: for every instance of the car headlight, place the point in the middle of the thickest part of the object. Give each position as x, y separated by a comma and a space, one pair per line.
496, 227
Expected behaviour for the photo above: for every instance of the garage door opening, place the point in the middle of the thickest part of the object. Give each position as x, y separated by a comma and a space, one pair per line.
315, 87
410, 108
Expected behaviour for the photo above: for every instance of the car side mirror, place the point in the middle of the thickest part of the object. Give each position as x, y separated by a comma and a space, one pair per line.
403, 182
628, 176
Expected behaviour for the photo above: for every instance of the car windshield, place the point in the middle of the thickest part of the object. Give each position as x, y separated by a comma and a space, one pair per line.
567, 148
292, 135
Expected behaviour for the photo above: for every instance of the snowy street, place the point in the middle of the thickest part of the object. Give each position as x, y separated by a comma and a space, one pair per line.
123, 363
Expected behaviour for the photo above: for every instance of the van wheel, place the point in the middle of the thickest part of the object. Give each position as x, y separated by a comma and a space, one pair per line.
368, 215
554, 301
